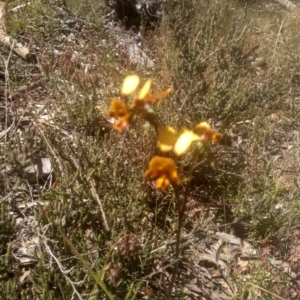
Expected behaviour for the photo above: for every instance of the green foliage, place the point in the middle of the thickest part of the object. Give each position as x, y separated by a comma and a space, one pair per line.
6, 232
232, 65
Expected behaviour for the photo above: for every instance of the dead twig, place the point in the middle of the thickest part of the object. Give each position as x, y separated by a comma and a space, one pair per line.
6, 40
94, 193
63, 271
264, 290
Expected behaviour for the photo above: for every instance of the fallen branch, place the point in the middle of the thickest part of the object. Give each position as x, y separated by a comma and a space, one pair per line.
6, 40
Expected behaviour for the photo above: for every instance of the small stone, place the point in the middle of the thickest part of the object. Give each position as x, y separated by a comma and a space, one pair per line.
41, 169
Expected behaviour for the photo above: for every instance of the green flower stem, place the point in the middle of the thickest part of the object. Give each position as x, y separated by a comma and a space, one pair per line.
181, 213
151, 116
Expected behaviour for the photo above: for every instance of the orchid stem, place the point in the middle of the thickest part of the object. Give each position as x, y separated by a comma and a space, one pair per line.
181, 213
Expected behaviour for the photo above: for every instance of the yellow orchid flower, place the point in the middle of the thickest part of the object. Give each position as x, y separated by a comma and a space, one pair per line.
206, 133
119, 110
168, 139
142, 101
164, 171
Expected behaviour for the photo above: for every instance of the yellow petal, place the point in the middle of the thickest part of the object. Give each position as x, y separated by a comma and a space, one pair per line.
162, 94
145, 89
184, 141
152, 97
166, 139
162, 183
118, 108
175, 178
206, 133
130, 84
121, 124
216, 137
203, 126
164, 171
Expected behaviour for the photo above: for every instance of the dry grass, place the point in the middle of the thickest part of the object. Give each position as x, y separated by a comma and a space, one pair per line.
235, 67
